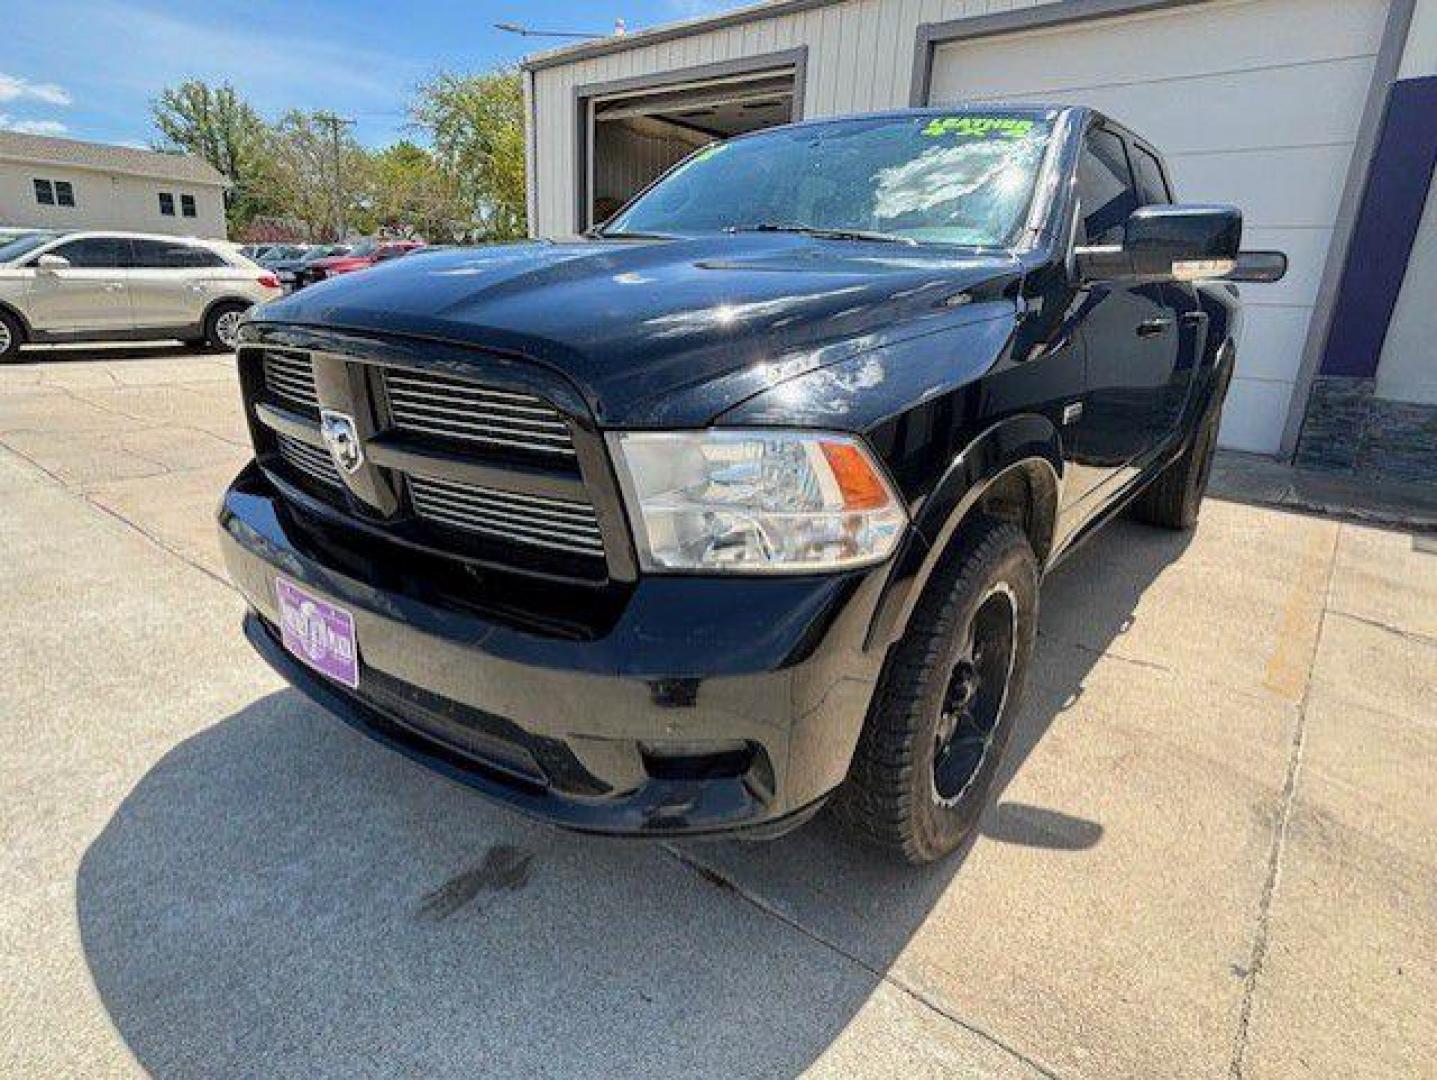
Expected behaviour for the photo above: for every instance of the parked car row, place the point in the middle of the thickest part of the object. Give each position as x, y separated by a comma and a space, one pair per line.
298, 265
112, 286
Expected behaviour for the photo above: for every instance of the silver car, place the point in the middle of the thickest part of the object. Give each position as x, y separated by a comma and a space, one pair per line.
110, 286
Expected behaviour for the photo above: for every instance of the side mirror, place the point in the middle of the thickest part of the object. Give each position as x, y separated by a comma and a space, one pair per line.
1168, 243
52, 262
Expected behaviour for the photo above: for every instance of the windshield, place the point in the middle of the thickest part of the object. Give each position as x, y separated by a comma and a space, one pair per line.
23, 245
324, 252
965, 178
364, 248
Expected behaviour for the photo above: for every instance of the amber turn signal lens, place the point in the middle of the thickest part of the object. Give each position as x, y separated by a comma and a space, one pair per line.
861, 487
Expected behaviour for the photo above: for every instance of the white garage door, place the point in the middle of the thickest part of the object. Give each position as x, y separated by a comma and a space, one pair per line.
1254, 102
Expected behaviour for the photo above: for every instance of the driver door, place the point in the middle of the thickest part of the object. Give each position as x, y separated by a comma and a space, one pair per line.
90, 296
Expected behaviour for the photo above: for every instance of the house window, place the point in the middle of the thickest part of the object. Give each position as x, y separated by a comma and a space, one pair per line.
167, 204
187, 205
54, 192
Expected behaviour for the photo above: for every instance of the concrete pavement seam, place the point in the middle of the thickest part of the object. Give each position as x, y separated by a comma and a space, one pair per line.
102, 508
1258, 957
717, 877
1377, 624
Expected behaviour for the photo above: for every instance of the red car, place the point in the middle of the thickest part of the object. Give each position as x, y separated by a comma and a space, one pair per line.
363, 256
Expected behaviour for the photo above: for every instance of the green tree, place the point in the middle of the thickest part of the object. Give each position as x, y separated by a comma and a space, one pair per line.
476, 125
411, 195
324, 186
216, 124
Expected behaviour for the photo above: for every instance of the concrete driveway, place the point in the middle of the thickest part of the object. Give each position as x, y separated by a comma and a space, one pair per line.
1213, 854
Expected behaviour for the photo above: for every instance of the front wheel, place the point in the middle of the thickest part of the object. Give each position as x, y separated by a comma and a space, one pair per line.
935, 734
222, 325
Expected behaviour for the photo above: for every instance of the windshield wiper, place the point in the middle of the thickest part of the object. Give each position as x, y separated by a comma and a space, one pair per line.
826, 234
610, 234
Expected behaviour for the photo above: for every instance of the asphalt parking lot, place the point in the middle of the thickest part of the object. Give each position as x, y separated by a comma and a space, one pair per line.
1215, 853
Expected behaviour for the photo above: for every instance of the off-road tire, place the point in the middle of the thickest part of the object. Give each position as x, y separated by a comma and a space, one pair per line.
212, 321
12, 338
1174, 499
890, 797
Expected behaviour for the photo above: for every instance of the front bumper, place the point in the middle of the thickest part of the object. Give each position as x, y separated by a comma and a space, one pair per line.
601, 732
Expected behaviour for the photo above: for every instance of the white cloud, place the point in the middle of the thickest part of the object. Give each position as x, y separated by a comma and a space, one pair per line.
31, 127
14, 88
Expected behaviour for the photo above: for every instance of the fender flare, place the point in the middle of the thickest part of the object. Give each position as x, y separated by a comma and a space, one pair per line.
1029, 444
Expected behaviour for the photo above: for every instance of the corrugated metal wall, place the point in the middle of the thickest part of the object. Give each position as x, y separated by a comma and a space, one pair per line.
860, 58
627, 159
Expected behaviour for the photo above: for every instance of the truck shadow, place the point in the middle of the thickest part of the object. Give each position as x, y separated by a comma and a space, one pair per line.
279, 896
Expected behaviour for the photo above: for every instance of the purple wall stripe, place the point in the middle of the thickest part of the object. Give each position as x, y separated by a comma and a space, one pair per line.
1385, 230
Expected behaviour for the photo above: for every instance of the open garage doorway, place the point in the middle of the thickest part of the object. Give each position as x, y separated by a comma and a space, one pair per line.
631, 136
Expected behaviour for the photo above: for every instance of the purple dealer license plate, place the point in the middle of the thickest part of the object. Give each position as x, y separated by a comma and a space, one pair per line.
317, 632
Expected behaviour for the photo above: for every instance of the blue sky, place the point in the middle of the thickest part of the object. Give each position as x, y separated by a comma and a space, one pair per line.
87, 69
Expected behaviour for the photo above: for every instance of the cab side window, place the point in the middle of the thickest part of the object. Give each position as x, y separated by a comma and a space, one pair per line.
1105, 188
95, 253
1152, 184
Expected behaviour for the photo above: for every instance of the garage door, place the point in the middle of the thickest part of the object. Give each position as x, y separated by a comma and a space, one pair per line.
1254, 102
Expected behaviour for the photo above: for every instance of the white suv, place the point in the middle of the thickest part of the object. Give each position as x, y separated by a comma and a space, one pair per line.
109, 286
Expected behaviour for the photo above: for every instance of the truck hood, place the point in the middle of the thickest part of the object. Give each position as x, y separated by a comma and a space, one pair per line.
665, 332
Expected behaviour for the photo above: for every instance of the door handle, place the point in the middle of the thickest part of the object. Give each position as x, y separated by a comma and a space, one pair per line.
114, 286
1153, 327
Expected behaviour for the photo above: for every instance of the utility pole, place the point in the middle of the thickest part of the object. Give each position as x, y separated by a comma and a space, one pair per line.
336, 124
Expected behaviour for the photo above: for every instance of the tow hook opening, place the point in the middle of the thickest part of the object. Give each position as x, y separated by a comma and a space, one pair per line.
699, 760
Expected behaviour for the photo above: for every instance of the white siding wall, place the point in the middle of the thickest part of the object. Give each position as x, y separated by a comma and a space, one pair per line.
628, 159
105, 201
860, 58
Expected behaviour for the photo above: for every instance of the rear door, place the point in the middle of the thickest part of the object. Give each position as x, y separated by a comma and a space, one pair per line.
90, 296
1129, 332
1154, 189
172, 283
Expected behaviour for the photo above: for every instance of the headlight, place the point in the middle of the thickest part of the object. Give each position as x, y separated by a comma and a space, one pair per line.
756, 501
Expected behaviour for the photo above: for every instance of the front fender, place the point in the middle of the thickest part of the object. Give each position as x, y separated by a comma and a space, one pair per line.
1028, 443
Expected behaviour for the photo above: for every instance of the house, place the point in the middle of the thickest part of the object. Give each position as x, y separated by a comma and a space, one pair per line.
65, 184
1314, 116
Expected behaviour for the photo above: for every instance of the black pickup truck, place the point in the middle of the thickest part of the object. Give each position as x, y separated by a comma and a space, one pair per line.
739, 505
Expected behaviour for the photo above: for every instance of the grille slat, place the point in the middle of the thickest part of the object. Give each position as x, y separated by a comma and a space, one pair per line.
567, 527
489, 401
291, 379
510, 519
436, 405
581, 516
313, 462
443, 414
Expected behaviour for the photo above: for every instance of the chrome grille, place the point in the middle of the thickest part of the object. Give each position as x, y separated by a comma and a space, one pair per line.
435, 405
522, 519
313, 462
291, 379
